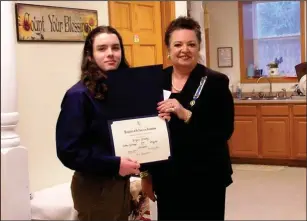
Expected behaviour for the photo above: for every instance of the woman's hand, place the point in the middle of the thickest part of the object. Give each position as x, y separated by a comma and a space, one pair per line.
147, 189
165, 116
173, 106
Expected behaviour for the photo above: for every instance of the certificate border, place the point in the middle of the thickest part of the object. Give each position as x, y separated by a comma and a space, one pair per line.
131, 118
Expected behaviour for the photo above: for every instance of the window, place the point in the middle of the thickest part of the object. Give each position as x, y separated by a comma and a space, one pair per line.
271, 30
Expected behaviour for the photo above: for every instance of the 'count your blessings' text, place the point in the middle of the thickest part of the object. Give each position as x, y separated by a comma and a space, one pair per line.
56, 25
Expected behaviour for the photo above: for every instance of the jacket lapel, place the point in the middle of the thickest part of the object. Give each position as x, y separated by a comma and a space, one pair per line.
190, 87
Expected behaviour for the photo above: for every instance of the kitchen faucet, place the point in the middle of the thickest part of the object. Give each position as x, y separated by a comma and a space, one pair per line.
268, 80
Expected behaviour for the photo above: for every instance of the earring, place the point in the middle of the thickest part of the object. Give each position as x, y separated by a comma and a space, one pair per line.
168, 56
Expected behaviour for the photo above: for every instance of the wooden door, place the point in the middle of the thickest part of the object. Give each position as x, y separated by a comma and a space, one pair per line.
299, 132
139, 23
275, 137
299, 138
244, 141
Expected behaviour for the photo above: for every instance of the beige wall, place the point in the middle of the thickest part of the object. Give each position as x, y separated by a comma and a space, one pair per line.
44, 72
224, 32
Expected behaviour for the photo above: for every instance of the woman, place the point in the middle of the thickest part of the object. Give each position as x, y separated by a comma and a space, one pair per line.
100, 185
202, 121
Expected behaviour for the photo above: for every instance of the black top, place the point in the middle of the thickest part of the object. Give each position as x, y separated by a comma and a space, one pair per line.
200, 147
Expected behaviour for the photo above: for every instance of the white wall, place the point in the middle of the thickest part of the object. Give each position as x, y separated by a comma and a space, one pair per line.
44, 72
224, 31
197, 13
180, 8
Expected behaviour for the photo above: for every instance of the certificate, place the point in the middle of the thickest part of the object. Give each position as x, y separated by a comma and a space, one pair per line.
143, 139
224, 55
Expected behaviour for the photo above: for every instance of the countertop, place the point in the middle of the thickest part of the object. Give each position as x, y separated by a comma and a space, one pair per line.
286, 101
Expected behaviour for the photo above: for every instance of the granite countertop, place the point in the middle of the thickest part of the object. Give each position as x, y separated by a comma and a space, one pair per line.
286, 101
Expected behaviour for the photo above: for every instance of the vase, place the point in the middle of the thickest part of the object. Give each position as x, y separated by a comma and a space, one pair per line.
273, 72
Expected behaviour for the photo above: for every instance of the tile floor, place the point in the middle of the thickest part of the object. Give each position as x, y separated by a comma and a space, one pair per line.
267, 193
262, 192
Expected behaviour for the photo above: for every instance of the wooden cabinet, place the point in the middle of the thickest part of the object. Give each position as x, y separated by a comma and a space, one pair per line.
275, 131
244, 141
299, 132
275, 137
269, 132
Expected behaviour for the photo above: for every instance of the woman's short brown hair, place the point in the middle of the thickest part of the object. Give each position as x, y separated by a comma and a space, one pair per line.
182, 22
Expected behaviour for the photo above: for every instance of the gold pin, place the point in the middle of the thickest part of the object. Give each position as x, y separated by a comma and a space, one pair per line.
192, 103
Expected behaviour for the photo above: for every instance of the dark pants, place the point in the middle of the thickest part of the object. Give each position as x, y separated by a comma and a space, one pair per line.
100, 198
190, 199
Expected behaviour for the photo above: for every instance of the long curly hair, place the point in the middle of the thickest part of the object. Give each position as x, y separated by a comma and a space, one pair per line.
91, 75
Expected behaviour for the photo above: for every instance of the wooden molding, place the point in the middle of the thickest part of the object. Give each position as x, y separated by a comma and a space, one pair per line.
167, 15
273, 79
241, 43
303, 36
207, 40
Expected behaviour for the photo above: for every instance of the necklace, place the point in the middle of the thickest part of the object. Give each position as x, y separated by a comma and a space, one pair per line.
176, 88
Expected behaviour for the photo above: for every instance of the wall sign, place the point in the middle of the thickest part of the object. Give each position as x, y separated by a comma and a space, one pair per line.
48, 23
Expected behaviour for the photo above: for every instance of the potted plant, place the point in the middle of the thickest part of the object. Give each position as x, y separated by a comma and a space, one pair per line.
273, 66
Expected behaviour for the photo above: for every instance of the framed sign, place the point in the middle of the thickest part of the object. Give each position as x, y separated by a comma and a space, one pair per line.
224, 57
56, 24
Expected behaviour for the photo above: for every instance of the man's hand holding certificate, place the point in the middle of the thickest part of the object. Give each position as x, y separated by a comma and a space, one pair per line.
143, 139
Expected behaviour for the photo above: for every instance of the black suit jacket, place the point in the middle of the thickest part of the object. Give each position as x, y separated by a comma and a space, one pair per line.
200, 147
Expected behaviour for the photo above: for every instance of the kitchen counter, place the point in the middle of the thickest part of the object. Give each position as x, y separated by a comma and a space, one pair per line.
269, 132
286, 101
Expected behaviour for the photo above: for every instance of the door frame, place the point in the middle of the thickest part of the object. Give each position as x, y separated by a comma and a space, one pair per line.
167, 15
